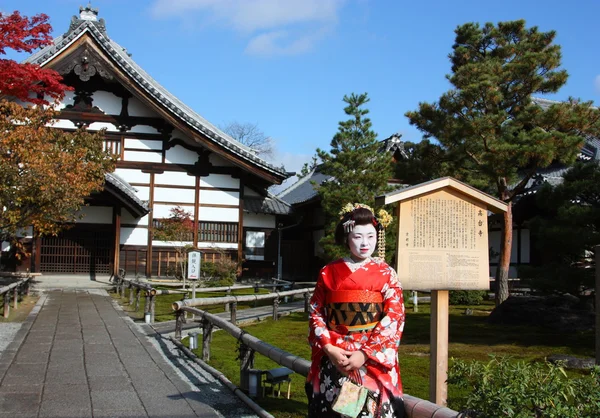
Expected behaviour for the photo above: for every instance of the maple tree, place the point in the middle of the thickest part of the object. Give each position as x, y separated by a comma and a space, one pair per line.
45, 173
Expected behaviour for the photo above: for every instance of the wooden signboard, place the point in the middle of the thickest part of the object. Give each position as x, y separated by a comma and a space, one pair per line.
443, 242
442, 245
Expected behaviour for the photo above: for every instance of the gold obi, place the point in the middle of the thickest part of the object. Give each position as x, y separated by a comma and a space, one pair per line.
353, 310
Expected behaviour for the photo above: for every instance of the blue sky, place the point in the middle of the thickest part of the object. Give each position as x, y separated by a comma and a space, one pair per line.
285, 65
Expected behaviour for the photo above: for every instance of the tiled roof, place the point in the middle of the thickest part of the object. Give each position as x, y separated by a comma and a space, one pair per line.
122, 59
303, 190
125, 190
269, 205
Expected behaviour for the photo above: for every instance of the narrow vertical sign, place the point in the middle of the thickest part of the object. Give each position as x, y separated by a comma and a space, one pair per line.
194, 265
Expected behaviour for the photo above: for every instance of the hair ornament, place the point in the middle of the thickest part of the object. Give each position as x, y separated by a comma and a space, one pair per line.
349, 207
349, 225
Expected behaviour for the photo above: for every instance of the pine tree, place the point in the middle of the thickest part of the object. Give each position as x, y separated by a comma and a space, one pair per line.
495, 135
358, 168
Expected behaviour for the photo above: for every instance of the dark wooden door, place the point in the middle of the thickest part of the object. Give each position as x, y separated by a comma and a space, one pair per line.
84, 248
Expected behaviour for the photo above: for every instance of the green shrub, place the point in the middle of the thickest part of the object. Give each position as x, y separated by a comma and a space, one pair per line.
220, 273
467, 297
519, 389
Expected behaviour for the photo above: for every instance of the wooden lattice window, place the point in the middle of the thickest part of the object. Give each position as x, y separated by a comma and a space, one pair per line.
217, 231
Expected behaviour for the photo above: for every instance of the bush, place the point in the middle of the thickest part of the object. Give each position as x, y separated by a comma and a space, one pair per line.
505, 388
467, 297
222, 272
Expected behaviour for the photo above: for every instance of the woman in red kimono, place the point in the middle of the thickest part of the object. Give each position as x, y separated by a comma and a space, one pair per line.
356, 321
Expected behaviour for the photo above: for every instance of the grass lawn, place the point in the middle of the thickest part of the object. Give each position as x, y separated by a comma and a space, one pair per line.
26, 304
471, 338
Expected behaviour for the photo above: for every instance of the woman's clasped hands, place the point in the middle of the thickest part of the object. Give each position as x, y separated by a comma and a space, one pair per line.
345, 361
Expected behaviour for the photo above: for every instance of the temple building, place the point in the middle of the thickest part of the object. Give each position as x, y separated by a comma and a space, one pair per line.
168, 156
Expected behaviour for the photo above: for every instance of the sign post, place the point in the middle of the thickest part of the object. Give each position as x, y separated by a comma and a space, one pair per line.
442, 245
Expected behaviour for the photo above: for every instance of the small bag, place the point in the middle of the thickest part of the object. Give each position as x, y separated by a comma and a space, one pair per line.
351, 399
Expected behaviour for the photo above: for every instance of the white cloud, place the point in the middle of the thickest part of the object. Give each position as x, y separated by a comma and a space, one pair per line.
274, 26
597, 83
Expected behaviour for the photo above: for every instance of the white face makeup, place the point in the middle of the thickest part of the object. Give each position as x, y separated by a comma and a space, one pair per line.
362, 241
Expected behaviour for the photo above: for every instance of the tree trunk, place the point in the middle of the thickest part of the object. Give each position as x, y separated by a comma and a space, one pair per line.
504, 260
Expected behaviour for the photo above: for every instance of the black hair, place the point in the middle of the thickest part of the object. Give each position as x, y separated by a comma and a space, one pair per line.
360, 216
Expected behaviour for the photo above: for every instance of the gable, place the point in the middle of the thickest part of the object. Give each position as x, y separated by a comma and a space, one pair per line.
125, 98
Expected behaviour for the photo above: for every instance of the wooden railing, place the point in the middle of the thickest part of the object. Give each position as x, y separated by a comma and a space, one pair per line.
15, 289
249, 345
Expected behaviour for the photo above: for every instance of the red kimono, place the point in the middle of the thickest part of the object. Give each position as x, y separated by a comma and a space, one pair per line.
364, 311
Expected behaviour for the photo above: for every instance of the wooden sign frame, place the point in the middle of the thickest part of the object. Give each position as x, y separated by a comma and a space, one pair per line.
442, 225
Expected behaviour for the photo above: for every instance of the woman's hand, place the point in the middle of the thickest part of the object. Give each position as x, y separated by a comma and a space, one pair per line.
338, 356
356, 360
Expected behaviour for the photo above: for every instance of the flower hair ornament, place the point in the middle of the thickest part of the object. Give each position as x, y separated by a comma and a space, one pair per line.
382, 218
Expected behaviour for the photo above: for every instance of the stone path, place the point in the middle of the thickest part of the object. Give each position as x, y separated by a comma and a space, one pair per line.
79, 355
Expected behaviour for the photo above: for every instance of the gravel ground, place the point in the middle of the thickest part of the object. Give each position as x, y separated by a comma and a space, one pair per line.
8, 330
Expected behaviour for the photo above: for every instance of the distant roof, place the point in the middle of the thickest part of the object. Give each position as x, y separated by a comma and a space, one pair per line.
270, 205
303, 190
87, 22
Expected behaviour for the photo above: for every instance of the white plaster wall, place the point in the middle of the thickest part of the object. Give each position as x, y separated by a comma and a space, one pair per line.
149, 144
165, 194
219, 161
137, 108
176, 178
134, 236
143, 192
250, 192
69, 99
218, 214
62, 123
164, 211
219, 180
96, 126
128, 218
180, 155
96, 215
218, 197
170, 243
224, 245
258, 220
152, 157
107, 102
132, 175
144, 129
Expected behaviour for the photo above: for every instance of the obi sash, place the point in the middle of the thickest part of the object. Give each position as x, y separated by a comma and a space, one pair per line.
353, 310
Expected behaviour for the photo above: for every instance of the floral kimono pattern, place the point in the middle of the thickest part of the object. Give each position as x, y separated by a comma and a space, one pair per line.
380, 373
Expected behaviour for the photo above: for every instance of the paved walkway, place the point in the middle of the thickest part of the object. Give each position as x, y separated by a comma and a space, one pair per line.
79, 355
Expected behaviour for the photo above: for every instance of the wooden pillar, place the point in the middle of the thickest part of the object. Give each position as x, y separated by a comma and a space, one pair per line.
438, 366
178, 323
598, 305
16, 297
275, 309
233, 312
150, 224
137, 299
246, 363
117, 242
152, 306
6, 304
207, 328
196, 212
228, 293
36, 256
132, 290
240, 254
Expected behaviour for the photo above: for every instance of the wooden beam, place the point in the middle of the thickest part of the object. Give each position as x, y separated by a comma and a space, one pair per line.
240, 253
117, 242
150, 224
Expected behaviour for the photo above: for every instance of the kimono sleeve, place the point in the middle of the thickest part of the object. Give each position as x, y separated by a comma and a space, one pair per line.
382, 346
319, 334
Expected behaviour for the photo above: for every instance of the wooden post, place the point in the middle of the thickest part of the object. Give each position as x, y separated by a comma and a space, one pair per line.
137, 299
275, 309
306, 302
6, 304
246, 363
227, 305
147, 304
598, 304
206, 339
27, 287
132, 289
415, 301
233, 313
16, 297
438, 365
178, 324
193, 292
152, 304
